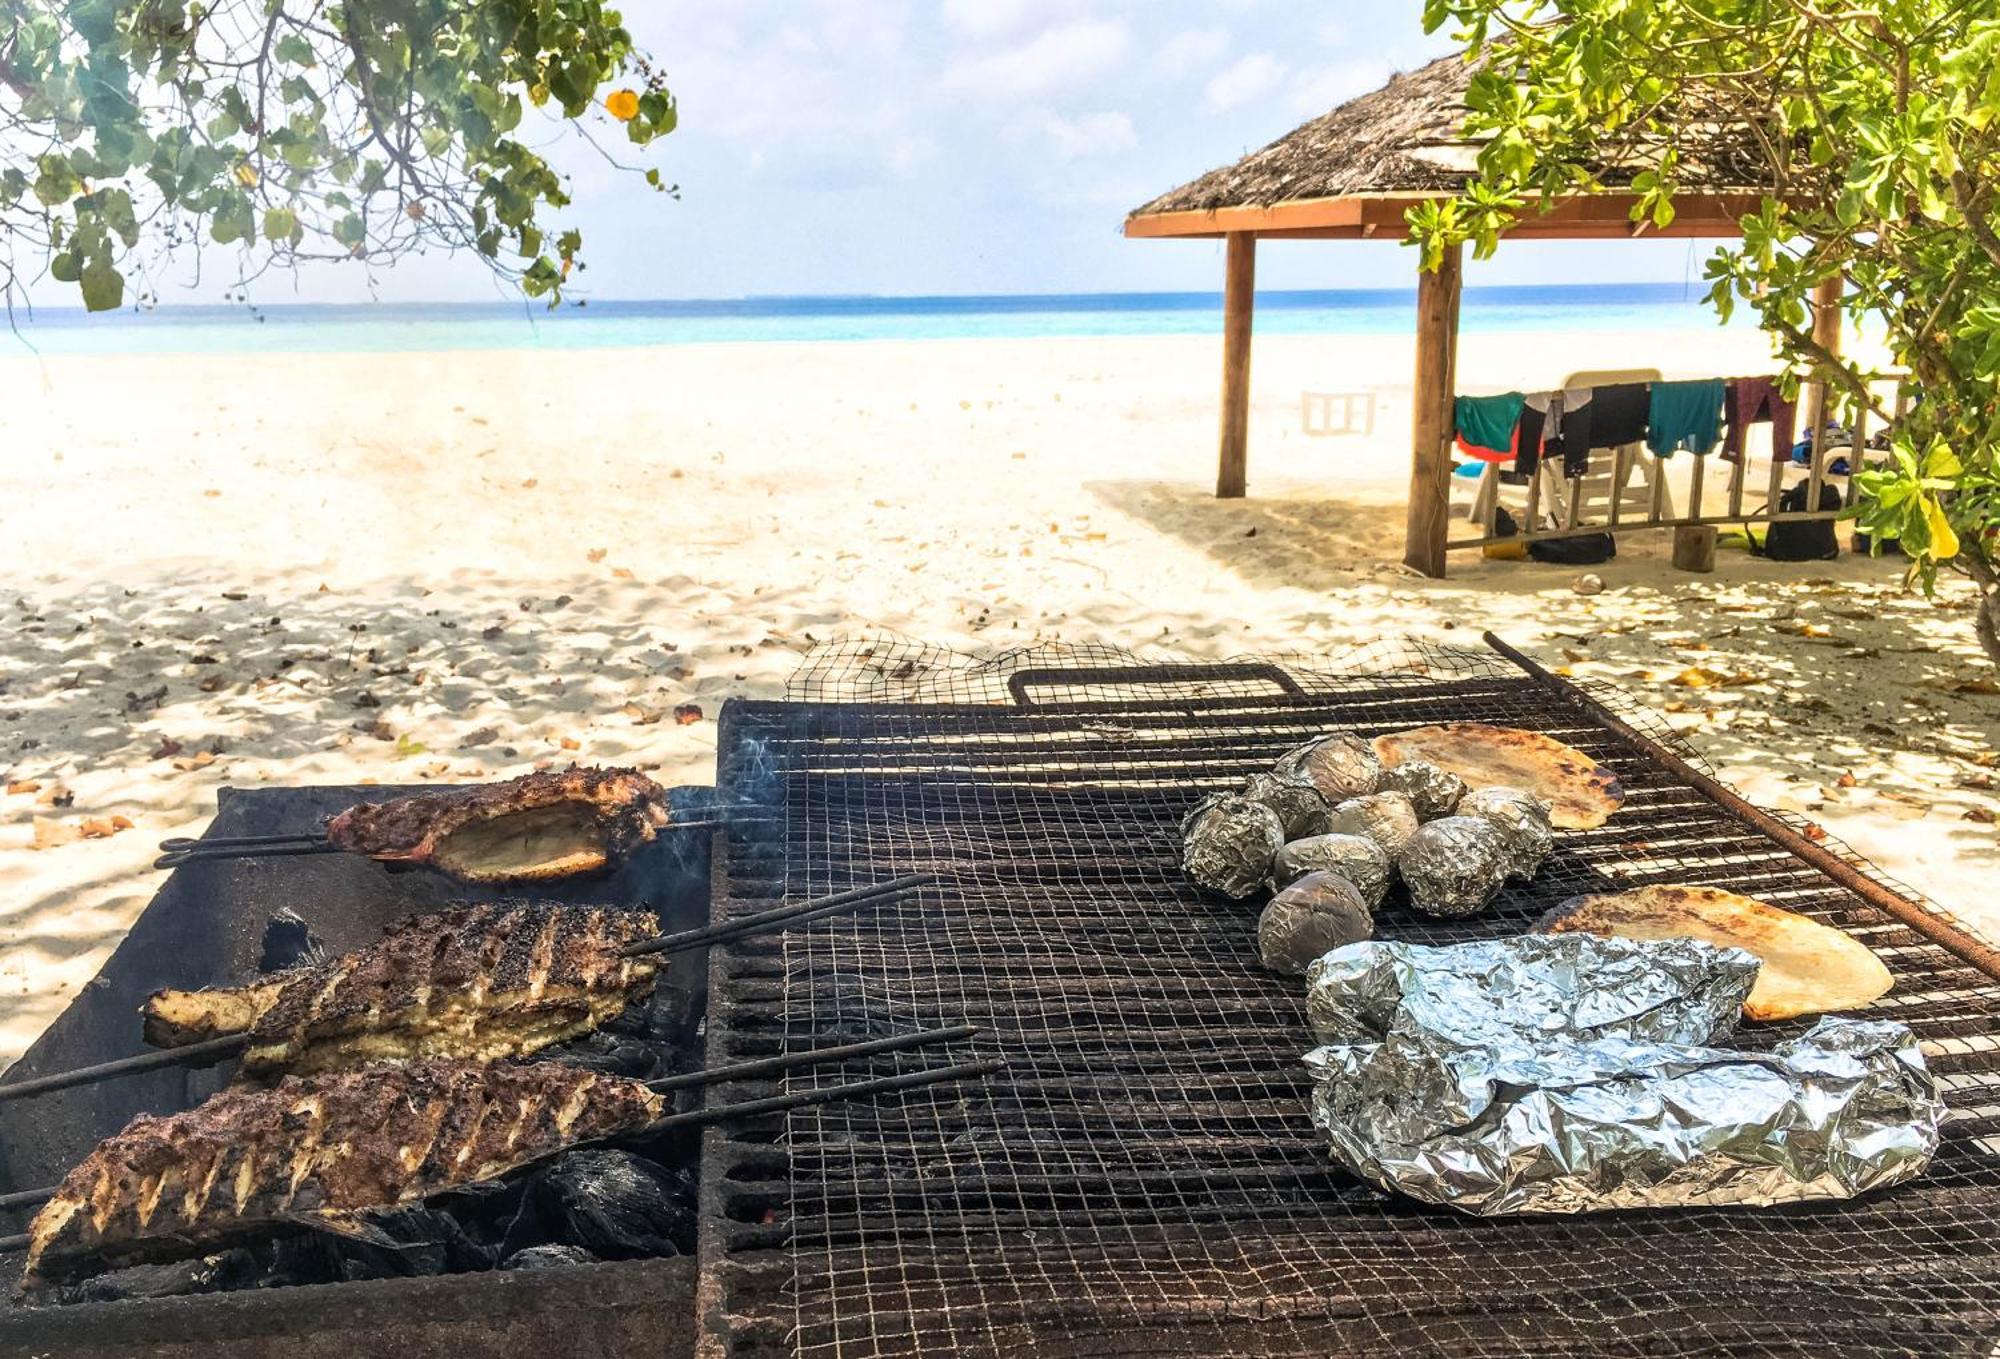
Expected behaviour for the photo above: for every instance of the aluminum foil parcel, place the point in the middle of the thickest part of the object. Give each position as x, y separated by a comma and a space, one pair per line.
1571, 1073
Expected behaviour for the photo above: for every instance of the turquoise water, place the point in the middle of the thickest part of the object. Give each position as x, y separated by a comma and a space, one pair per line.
400, 327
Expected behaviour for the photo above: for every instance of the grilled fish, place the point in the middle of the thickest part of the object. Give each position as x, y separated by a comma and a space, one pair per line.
322, 1147
553, 824
477, 982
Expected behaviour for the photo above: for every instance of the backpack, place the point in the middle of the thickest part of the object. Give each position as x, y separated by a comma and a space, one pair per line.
1803, 540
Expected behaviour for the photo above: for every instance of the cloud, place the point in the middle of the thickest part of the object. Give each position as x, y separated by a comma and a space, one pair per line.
1243, 80
1324, 88
984, 18
1189, 50
1055, 60
1089, 134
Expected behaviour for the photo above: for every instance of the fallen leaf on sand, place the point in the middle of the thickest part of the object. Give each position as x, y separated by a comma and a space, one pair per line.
199, 760
485, 736
687, 714
57, 796
1701, 677
49, 833
1978, 684
103, 828
167, 749
643, 716
211, 683
405, 747
596, 554
1815, 832
24, 786
1980, 814
529, 484
571, 743
1846, 781
621, 573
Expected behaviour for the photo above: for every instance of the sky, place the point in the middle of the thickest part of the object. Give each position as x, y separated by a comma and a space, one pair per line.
968, 146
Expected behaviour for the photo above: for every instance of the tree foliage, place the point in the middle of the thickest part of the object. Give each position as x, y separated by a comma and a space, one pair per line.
136, 131
1869, 134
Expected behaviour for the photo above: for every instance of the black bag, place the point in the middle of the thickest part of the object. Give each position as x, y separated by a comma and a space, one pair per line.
1803, 540
1586, 549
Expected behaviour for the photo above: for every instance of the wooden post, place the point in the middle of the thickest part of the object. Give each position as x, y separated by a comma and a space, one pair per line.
1239, 298
1826, 332
1694, 547
1430, 417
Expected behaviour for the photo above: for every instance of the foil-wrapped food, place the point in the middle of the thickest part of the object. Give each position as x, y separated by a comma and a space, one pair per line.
1522, 817
1340, 766
1521, 1075
1229, 843
1389, 819
1455, 865
1297, 803
1355, 857
1432, 789
1318, 913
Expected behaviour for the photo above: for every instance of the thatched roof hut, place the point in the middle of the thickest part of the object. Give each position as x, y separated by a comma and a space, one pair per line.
1405, 140
1353, 174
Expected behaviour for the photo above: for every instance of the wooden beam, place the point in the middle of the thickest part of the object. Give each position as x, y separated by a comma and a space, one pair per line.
1239, 297
1428, 525
1826, 333
1597, 216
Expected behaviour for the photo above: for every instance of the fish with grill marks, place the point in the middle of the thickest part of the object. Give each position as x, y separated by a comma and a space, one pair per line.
479, 982
557, 823
321, 1148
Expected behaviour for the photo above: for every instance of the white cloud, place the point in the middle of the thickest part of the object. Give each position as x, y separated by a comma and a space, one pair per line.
1089, 134
1057, 59
1327, 87
984, 18
1188, 51
1243, 80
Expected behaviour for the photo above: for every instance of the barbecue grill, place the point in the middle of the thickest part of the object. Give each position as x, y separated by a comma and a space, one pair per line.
1142, 1179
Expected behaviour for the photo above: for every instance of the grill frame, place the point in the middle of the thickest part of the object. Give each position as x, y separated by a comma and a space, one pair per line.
753, 1270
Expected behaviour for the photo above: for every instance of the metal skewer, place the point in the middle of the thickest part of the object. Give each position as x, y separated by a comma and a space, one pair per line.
735, 1071
217, 1049
693, 1118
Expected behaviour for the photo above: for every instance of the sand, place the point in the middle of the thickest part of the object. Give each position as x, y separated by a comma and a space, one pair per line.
289, 569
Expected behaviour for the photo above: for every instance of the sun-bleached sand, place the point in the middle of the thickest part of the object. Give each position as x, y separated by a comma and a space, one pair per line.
300, 568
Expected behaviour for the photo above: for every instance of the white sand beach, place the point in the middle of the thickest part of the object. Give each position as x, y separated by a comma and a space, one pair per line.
296, 568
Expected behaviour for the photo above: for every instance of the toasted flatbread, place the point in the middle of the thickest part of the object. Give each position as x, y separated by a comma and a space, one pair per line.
1581, 793
1808, 968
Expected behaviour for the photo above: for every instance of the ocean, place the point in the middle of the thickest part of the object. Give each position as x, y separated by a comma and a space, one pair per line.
396, 327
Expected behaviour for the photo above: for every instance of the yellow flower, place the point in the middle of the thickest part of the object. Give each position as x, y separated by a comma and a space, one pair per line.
622, 105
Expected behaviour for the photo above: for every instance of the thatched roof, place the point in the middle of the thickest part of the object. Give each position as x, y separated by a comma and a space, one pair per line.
1403, 138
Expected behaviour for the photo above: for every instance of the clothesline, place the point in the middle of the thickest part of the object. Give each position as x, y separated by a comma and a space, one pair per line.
1669, 417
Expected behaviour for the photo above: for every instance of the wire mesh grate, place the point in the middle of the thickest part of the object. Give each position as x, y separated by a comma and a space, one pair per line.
1142, 1178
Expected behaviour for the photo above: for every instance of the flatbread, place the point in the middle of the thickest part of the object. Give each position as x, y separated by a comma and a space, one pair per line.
1808, 968
1581, 793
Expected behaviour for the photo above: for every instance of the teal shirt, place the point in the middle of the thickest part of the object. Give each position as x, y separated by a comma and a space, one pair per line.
1685, 415
1488, 422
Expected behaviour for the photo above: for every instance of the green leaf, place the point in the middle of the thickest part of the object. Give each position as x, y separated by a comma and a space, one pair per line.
280, 224
64, 268
103, 286
294, 49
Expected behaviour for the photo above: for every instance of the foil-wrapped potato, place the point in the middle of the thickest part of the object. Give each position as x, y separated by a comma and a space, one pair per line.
1432, 789
1455, 865
1315, 915
1389, 819
1355, 857
1523, 817
1340, 766
1229, 844
1298, 804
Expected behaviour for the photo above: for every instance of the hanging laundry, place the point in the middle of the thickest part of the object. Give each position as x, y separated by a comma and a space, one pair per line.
1558, 424
1685, 415
1751, 401
1619, 414
1486, 425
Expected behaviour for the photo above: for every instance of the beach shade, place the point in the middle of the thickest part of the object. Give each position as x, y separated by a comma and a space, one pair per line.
1353, 174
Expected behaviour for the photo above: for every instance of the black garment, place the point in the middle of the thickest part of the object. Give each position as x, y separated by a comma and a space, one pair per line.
1620, 414
1557, 424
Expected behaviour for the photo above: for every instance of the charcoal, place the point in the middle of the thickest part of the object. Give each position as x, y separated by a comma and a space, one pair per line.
1454, 865
1297, 803
1432, 789
1340, 766
1230, 844
401, 1242
1318, 913
549, 1257
289, 942
1354, 857
1388, 818
617, 1205
178, 1278
611, 1054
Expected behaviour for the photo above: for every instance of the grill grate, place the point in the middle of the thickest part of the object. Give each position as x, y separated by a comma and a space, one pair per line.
1143, 1179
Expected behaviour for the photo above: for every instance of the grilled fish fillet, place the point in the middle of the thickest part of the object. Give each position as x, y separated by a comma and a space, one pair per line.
552, 824
320, 1147
477, 982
